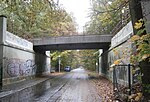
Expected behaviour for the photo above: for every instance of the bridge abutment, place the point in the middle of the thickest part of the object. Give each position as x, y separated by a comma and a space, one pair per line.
18, 60
103, 61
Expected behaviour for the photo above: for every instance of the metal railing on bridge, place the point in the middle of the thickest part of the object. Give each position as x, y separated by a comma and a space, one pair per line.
126, 17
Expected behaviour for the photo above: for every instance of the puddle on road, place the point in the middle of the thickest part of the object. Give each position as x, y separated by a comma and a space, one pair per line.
47, 84
25, 94
42, 87
78, 78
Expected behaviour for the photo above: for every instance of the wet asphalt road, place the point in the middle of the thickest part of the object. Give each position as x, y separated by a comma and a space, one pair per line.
72, 87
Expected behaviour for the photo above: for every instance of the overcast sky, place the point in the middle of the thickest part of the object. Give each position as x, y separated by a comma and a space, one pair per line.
79, 8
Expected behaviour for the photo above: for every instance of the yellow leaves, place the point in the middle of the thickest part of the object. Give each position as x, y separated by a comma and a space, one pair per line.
142, 41
135, 38
136, 97
140, 46
145, 56
117, 62
115, 52
139, 94
145, 37
132, 96
138, 24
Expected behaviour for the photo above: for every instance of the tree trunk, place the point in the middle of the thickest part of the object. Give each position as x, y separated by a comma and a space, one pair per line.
145, 68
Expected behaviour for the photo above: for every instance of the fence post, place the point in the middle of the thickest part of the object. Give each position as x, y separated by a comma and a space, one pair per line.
115, 82
129, 78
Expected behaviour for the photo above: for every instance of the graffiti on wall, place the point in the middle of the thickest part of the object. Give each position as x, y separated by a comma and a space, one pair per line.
17, 67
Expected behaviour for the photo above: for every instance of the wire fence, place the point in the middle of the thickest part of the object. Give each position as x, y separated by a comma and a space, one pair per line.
125, 82
121, 81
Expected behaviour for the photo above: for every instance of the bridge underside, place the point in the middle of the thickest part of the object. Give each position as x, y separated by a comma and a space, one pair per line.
72, 42
72, 46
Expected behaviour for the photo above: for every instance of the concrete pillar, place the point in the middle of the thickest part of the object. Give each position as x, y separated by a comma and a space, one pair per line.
99, 61
3, 27
104, 61
2, 40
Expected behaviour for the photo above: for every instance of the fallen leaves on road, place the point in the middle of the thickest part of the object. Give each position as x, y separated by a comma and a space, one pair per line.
57, 73
104, 87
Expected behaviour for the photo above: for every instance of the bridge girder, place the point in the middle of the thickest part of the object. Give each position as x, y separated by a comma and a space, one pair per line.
73, 42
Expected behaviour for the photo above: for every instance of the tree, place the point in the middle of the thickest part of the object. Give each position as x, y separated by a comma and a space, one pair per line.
141, 40
89, 59
66, 58
36, 18
74, 58
106, 14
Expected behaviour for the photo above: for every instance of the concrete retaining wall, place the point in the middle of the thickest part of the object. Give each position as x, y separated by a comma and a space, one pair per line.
17, 58
18, 62
121, 49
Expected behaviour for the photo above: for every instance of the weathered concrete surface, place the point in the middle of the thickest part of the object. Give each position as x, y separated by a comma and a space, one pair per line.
73, 42
17, 58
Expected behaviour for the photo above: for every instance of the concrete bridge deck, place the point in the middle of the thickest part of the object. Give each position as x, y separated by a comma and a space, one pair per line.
73, 42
